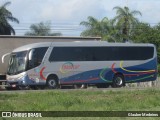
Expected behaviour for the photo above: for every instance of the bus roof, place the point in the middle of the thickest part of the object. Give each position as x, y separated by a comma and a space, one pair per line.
77, 43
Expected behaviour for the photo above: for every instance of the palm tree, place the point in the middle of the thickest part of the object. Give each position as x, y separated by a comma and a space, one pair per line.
41, 29
111, 33
5, 17
125, 20
95, 27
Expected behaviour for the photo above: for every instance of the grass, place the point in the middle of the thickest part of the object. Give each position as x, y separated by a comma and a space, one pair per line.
159, 70
81, 100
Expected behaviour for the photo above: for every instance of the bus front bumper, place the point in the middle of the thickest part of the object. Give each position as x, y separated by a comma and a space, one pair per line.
23, 81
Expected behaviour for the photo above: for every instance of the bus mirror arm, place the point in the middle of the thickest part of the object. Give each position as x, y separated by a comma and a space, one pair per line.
5, 56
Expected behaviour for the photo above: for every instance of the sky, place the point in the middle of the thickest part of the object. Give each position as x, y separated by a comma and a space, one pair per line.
65, 15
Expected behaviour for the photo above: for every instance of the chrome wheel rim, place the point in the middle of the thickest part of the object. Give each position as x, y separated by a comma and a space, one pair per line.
52, 83
119, 81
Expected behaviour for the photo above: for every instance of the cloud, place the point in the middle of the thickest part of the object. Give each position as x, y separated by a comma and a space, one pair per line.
72, 10
77, 10
150, 11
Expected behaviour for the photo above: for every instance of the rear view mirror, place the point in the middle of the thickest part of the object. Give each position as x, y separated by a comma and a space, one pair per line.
3, 57
30, 54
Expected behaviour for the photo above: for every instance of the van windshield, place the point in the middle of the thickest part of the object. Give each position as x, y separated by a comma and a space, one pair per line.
17, 63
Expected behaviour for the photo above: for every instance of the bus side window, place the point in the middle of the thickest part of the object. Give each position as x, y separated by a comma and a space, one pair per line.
36, 56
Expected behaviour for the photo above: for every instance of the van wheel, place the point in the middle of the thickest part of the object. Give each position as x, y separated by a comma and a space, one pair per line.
80, 86
118, 81
52, 83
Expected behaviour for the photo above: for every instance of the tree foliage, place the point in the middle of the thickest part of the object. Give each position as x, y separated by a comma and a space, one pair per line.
125, 20
117, 29
94, 27
144, 33
41, 29
5, 17
103, 28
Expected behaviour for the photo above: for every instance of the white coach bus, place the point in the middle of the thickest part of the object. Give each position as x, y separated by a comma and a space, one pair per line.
99, 63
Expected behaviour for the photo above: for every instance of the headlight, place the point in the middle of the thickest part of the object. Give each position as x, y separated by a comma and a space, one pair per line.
23, 82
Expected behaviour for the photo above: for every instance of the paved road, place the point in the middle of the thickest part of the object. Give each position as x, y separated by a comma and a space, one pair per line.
88, 89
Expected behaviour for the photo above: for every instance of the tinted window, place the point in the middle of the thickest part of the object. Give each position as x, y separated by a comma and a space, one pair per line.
100, 53
36, 56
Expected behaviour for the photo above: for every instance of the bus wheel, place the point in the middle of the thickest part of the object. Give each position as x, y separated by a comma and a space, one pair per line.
80, 86
52, 83
118, 81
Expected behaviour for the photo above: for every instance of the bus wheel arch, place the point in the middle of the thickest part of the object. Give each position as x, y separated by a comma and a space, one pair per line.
118, 80
52, 81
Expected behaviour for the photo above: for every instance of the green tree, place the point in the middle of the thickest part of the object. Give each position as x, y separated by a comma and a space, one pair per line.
41, 29
93, 27
98, 28
125, 20
5, 17
110, 31
144, 33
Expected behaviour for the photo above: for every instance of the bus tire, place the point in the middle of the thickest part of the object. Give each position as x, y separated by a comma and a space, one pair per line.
52, 83
118, 81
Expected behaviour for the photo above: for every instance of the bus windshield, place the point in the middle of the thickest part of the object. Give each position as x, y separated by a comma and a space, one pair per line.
17, 63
